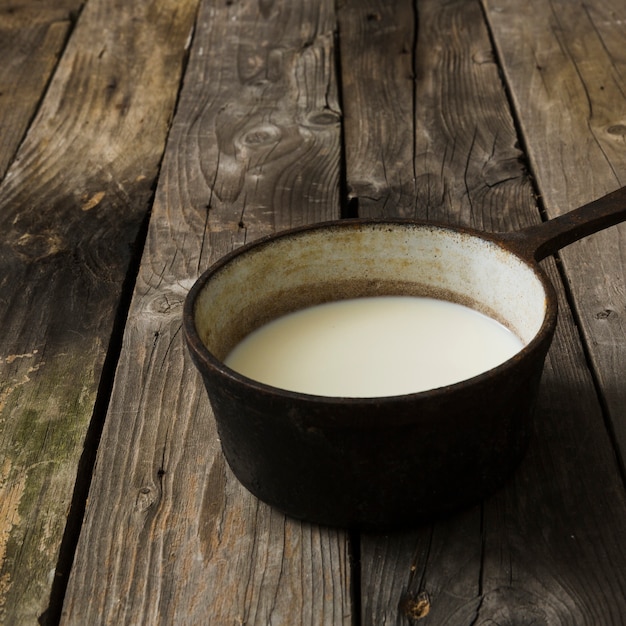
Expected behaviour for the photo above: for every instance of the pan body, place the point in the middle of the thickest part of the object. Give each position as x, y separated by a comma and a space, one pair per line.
371, 462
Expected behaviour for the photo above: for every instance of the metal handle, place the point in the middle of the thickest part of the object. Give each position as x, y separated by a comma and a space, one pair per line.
541, 240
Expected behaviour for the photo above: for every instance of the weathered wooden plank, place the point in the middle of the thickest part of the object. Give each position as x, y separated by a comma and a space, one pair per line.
566, 65
547, 549
255, 146
379, 165
477, 178
32, 37
71, 207
461, 155
536, 550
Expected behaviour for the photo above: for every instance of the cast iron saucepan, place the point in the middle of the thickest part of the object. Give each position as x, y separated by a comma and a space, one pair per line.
385, 461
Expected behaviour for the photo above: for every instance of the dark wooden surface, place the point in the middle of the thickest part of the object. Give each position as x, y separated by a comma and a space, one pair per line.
141, 141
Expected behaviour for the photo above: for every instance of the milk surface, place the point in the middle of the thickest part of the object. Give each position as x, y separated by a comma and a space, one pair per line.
373, 347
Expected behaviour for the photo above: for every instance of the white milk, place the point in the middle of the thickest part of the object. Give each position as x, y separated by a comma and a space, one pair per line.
371, 347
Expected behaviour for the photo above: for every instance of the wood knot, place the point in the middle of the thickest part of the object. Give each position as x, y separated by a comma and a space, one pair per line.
510, 606
416, 607
324, 118
603, 315
165, 304
147, 497
617, 129
36, 247
483, 56
262, 135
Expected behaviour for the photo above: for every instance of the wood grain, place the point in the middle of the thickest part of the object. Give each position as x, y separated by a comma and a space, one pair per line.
578, 154
378, 104
32, 37
487, 113
71, 207
537, 551
454, 168
255, 146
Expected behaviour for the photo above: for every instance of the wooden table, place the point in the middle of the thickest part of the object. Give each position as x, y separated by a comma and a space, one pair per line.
141, 141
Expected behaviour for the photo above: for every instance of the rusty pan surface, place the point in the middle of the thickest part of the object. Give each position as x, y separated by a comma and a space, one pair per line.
397, 460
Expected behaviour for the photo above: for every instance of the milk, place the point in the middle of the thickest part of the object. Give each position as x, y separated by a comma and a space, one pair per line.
372, 347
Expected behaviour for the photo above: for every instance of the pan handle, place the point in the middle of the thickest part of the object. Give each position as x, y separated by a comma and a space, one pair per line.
541, 240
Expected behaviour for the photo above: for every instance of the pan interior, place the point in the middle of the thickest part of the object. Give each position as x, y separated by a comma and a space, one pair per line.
334, 262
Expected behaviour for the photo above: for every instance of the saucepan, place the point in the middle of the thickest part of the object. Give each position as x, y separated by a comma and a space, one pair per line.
380, 462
